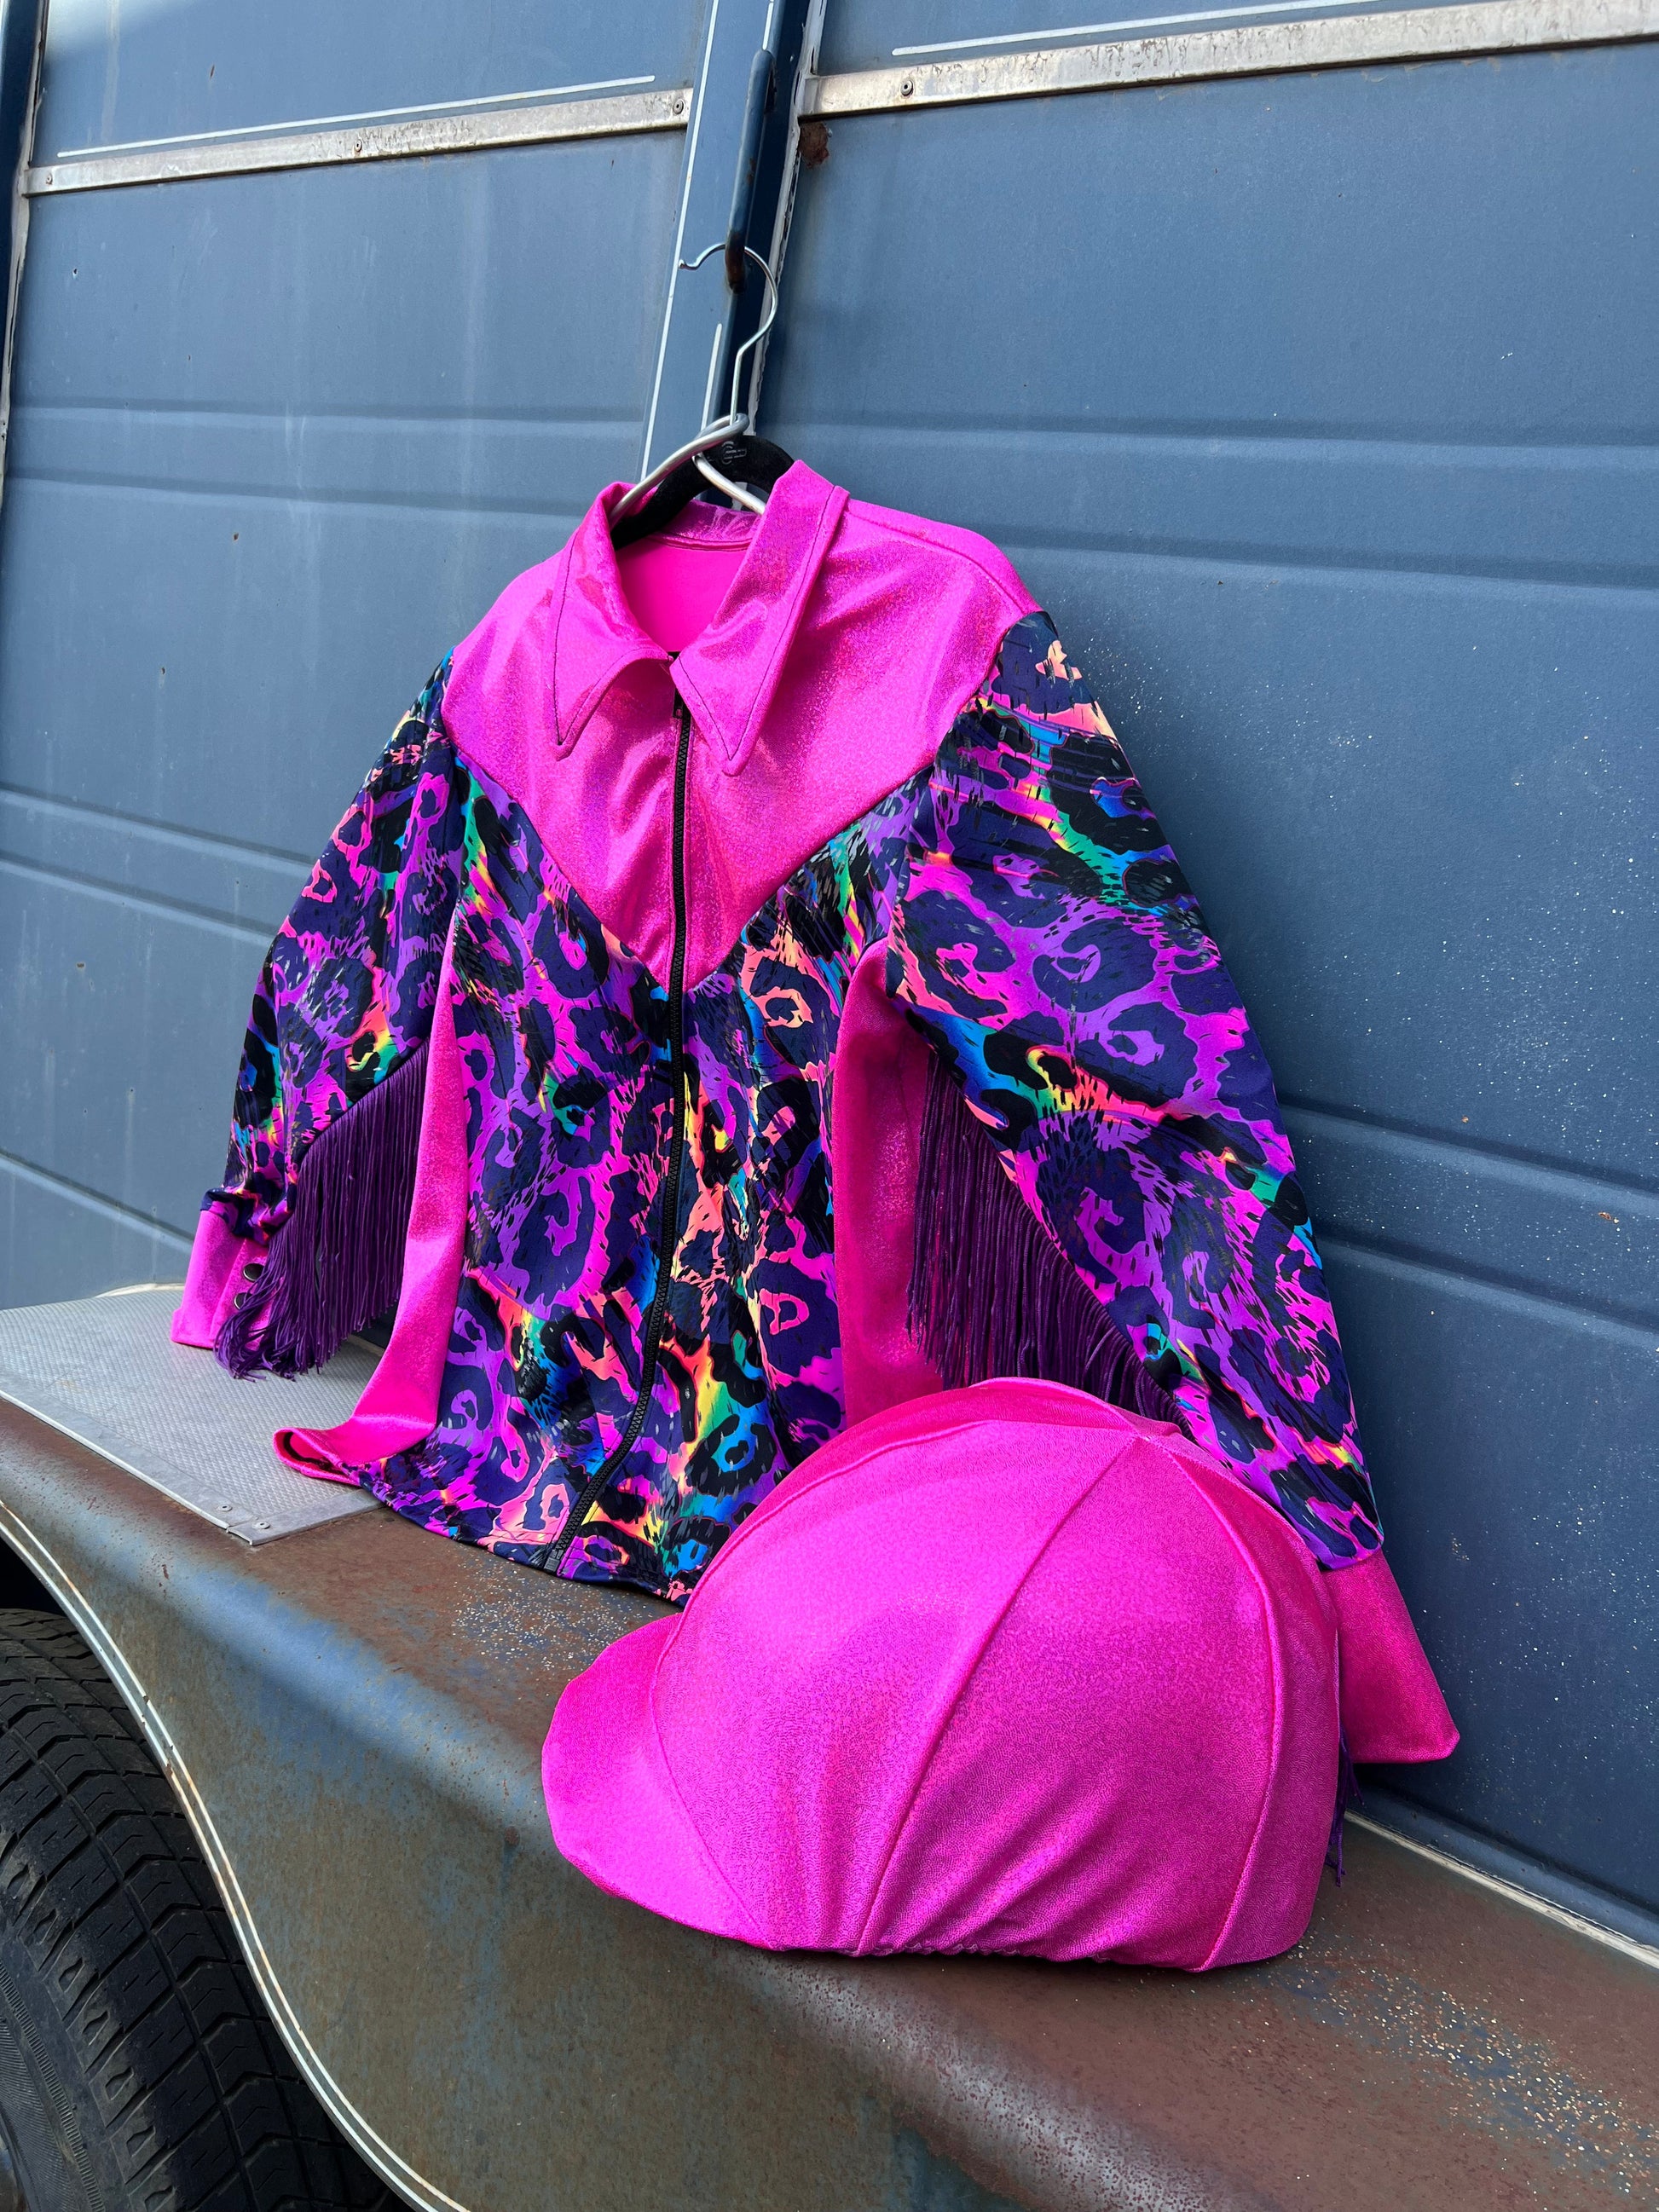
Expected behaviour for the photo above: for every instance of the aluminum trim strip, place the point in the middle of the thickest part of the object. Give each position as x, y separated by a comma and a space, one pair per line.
543, 124
1410, 34
1644, 1954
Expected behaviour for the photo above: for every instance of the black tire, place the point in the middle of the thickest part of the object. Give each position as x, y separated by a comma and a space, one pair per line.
139, 2071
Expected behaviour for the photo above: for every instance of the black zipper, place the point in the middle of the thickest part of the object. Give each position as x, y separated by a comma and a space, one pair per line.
552, 1556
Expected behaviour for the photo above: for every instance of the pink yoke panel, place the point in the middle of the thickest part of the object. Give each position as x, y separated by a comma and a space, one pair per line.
901, 626
845, 644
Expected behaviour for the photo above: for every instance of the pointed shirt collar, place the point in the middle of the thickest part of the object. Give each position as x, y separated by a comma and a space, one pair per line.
727, 675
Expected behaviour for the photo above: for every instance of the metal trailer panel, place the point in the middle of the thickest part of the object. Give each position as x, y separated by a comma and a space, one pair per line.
281, 437
150, 69
1314, 407
353, 1717
277, 441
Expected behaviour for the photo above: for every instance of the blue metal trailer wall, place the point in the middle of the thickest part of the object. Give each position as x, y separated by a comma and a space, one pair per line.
1320, 410
277, 441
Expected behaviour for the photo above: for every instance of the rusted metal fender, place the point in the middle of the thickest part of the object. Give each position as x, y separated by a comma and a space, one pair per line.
353, 1716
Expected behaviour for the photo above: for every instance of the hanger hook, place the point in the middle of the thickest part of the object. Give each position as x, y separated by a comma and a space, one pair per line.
768, 316
734, 423
735, 420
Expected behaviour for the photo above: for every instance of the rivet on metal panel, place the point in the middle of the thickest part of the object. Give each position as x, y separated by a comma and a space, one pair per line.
907, 88
679, 106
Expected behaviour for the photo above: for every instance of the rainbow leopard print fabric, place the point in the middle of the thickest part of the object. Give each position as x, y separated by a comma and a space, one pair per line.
618, 1390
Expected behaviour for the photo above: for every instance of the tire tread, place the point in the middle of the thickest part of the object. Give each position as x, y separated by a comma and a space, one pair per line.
103, 1884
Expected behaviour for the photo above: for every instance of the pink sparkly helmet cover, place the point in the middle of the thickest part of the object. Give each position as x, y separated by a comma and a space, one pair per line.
907, 1712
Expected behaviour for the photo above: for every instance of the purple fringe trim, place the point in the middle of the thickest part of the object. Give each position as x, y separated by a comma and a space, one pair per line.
337, 1260
991, 1293
1347, 1793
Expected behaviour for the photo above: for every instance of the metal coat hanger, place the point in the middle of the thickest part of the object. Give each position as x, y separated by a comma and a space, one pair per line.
727, 452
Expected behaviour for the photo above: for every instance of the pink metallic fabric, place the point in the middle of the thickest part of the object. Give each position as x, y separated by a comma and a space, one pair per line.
1098, 1723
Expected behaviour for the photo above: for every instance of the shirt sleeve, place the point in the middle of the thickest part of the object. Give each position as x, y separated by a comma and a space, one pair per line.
1048, 946
302, 1241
